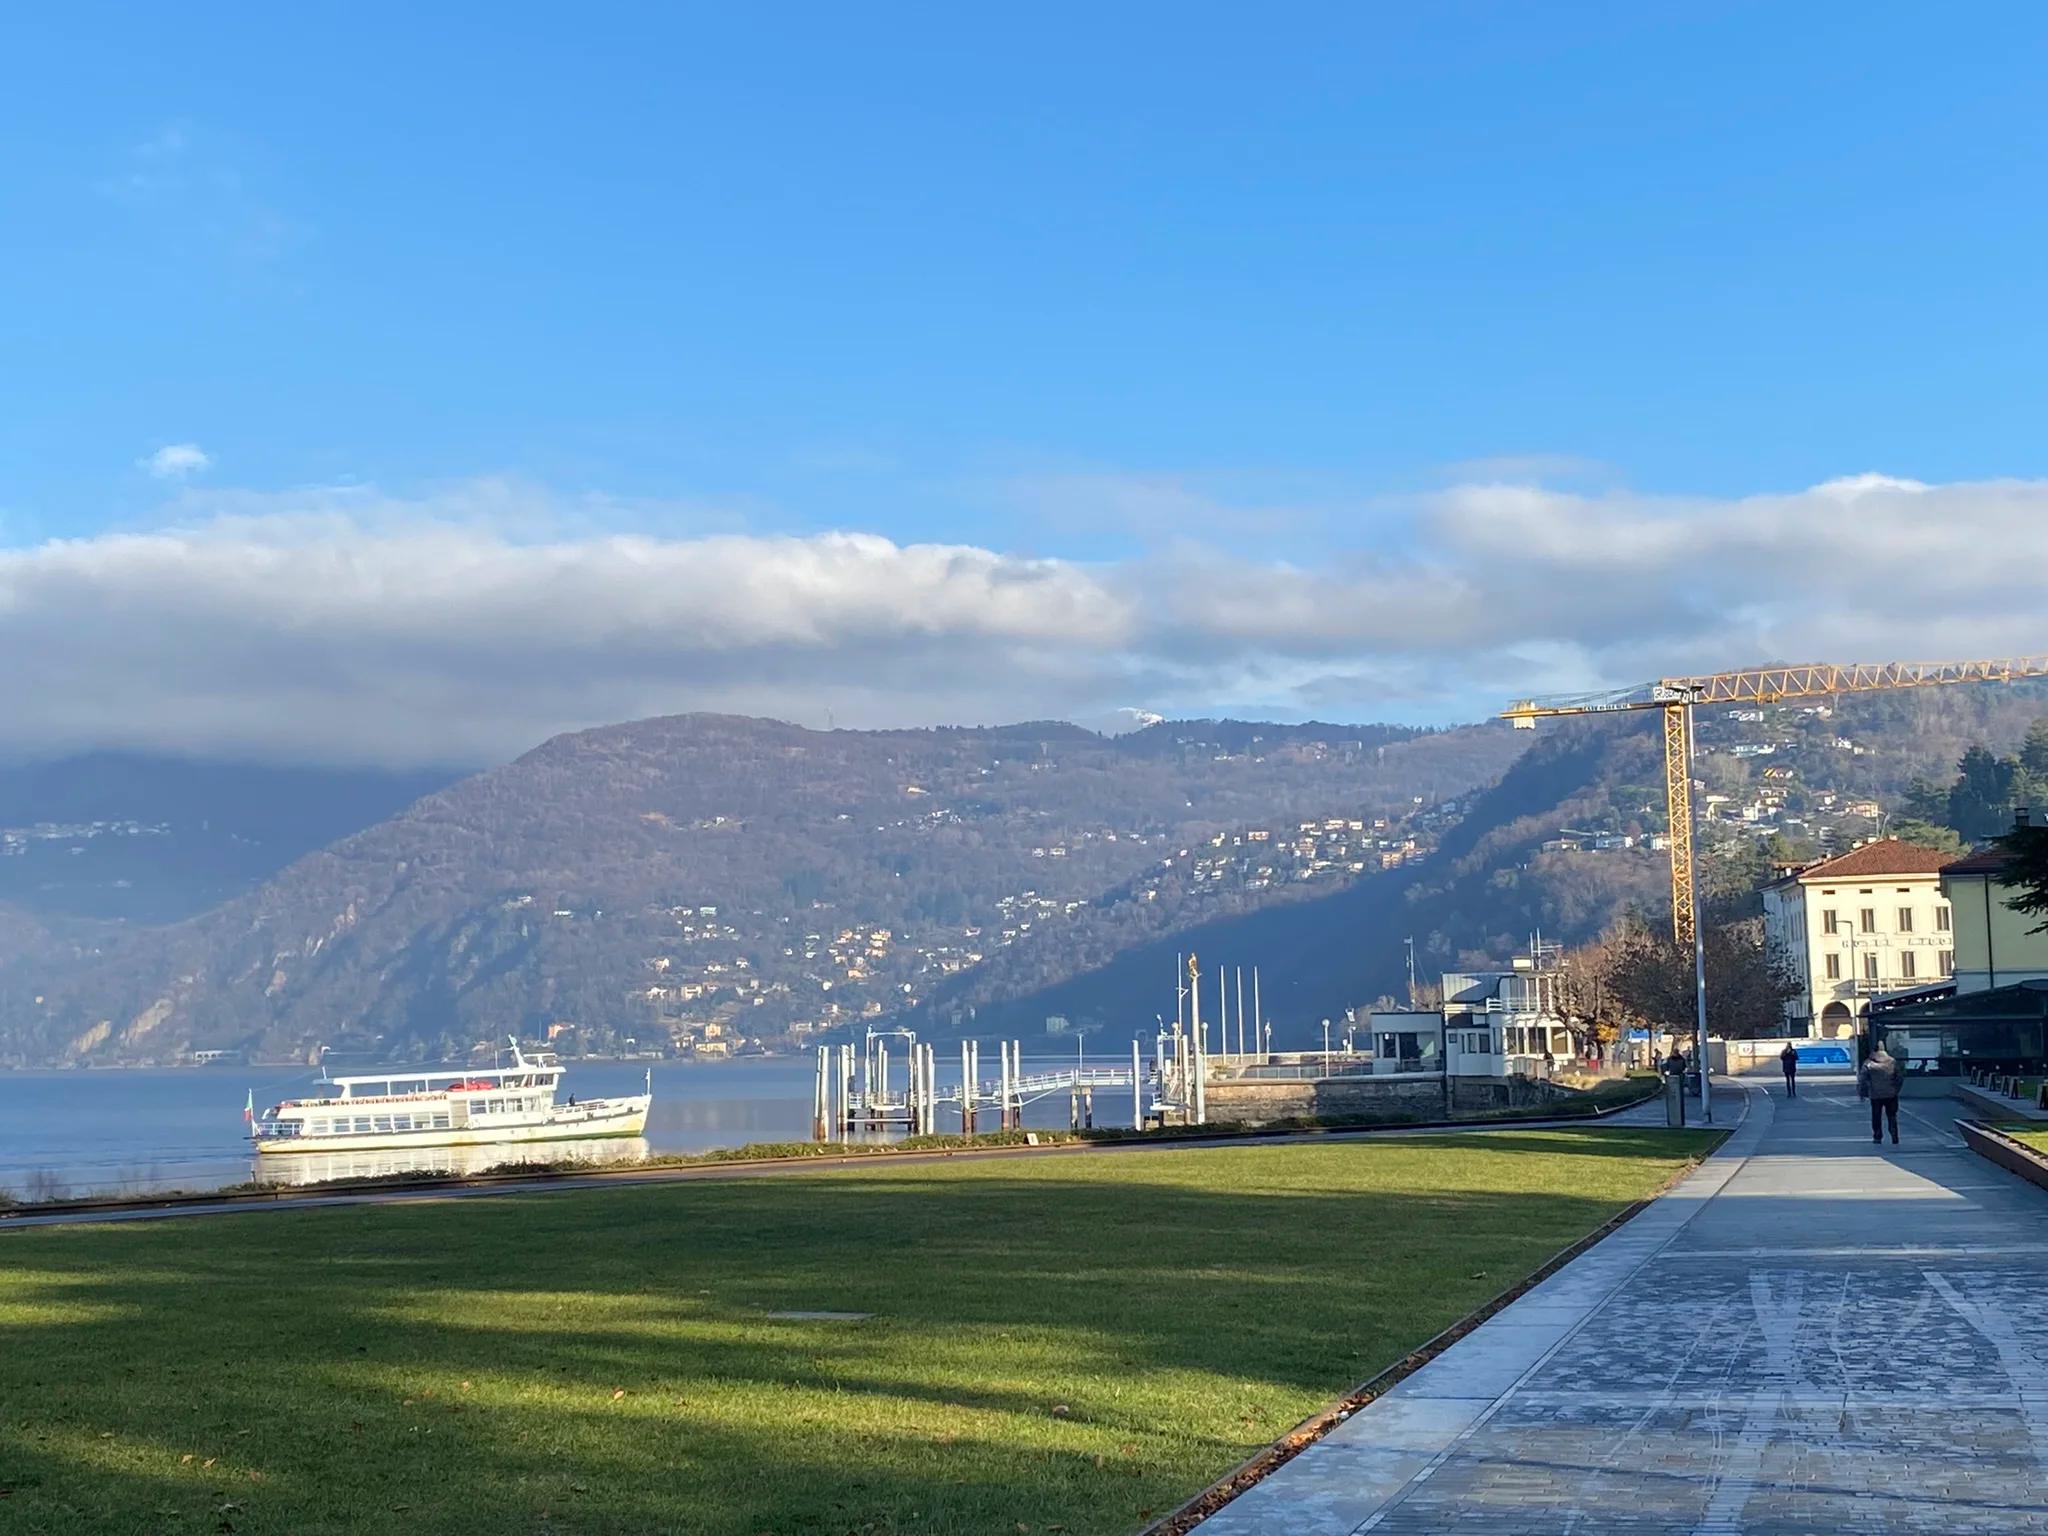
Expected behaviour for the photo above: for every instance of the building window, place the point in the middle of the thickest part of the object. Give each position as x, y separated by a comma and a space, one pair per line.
1834, 967
1867, 919
1948, 962
1831, 921
1907, 967
1905, 919
1942, 918
1870, 967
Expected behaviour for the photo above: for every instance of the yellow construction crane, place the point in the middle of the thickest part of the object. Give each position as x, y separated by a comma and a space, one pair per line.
1676, 696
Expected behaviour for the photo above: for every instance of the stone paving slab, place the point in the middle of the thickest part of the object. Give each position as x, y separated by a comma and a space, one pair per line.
1810, 1334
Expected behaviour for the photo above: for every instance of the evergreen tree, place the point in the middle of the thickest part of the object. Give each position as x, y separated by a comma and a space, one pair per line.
2027, 872
1928, 834
1980, 803
1926, 801
2034, 750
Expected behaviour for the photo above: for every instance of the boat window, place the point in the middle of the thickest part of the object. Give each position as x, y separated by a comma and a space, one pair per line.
383, 1122
401, 1122
440, 1122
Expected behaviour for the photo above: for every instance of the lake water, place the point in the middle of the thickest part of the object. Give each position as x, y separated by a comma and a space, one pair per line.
95, 1132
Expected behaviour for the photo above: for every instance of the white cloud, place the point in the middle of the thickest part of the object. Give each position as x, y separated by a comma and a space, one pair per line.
471, 623
174, 461
195, 194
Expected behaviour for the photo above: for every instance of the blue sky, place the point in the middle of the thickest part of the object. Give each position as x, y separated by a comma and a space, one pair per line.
1084, 284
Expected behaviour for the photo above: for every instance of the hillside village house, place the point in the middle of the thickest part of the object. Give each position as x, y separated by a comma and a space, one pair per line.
1864, 923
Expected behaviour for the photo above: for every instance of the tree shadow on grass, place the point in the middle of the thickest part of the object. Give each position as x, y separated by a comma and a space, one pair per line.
1595, 1140
1070, 1344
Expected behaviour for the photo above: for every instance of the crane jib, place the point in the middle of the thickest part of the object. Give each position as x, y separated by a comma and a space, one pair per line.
1754, 685
1676, 696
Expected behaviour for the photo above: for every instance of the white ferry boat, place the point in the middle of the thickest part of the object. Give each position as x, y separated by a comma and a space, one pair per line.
395, 1110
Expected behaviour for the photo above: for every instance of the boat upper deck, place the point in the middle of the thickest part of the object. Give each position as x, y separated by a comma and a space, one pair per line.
540, 1070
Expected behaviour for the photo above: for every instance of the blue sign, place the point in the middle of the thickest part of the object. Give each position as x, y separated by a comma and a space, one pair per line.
1823, 1055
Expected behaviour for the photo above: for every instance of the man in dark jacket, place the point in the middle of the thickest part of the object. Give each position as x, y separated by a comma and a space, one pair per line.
1788, 1062
1879, 1080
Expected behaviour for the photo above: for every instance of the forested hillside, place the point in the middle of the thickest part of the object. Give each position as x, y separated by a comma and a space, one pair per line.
1565, 845
710, 881
154, 839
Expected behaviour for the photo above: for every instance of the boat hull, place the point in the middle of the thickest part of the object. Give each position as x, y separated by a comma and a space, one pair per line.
613, 1119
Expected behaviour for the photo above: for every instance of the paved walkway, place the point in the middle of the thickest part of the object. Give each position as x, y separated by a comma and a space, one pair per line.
1810, 1334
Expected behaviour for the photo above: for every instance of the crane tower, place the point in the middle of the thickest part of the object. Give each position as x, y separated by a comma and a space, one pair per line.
1677, 696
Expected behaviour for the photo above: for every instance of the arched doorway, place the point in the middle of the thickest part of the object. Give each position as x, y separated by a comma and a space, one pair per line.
1836, 1022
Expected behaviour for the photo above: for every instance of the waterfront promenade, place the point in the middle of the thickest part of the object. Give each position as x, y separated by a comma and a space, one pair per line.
1809, 1334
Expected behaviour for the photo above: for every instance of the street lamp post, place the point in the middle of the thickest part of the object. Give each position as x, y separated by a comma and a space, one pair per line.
1326, 1047
1855, 988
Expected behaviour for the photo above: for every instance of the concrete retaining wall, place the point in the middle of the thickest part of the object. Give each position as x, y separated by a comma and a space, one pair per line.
1345, 1098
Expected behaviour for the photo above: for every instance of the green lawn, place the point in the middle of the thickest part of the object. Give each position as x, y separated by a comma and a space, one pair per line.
1072, 1343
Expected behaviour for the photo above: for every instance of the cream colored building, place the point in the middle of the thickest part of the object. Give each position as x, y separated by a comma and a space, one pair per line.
1867, 922
1994, 944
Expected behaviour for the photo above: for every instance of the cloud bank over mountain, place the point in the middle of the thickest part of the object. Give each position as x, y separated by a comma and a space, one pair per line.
464, 626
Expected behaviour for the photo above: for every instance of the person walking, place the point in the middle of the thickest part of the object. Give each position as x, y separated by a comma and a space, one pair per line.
1879, 1080
1788, 1062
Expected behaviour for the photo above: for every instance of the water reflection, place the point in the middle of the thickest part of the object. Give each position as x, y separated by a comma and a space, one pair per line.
323, 1167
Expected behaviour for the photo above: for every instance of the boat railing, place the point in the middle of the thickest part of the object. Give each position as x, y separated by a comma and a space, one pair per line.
442, 1082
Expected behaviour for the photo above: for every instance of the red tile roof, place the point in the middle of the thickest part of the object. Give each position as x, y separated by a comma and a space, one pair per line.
1889, 857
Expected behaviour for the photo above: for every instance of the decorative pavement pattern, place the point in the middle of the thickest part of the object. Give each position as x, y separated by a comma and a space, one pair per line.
1810, 1334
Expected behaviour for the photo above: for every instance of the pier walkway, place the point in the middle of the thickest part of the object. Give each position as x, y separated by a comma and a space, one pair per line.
1809, 1334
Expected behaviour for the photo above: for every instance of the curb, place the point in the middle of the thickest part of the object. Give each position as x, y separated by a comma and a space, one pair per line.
1263, 1463
2013, 1156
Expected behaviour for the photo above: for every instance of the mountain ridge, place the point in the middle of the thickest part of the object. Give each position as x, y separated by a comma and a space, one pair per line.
713, 880
581, 881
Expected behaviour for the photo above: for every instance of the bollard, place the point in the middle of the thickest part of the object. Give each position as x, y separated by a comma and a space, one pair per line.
1674, 1099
